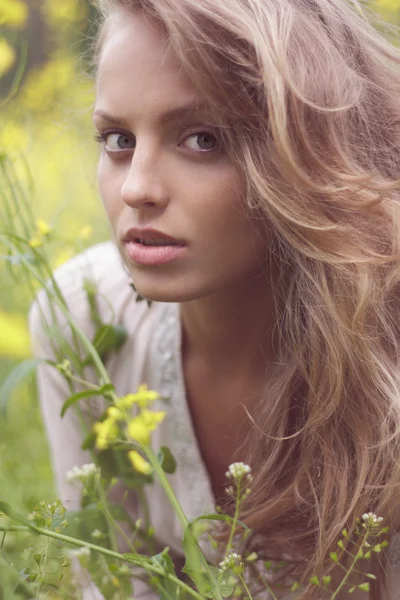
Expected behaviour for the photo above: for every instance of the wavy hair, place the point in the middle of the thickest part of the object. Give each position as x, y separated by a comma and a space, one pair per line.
307, 93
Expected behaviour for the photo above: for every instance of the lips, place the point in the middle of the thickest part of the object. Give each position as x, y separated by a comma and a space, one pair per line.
151, 237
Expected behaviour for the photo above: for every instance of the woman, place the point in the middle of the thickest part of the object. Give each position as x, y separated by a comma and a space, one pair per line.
250, 172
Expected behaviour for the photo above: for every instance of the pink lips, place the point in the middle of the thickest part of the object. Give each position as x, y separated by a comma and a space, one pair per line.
152, 255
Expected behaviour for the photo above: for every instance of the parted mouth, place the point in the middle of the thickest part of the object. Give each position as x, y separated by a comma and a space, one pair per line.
151, 237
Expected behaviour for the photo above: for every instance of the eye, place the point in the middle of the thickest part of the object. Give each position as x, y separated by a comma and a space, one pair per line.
203, 141
115, 142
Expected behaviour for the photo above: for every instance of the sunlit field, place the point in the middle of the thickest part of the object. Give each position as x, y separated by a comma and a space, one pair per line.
46, 100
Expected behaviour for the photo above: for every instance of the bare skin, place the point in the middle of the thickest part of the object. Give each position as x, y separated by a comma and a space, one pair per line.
154, 172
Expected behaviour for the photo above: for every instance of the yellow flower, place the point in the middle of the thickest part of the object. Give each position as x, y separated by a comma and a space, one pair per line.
140, 427
14, 338
142, 397
43, 227
13, 13
86, 232
139, 463
7, 56
36, 242
116, 414
43, 230
106, 432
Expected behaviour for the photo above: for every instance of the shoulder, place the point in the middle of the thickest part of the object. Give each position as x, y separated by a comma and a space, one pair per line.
96, 273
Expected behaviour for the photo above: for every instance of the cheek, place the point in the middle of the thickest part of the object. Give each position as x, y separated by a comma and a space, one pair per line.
109, 187
223, 202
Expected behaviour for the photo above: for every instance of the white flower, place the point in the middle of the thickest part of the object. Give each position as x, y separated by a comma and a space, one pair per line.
230, 561
371, 519
238, 470
82, 474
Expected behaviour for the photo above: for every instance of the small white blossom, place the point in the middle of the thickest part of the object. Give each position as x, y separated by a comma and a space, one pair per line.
97, 534
371, 519
230, 561
82, 474
238, 470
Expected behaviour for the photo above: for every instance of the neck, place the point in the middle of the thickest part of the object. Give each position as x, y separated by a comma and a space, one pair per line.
231, 329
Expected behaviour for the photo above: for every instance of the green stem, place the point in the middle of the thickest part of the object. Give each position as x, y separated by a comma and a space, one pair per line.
141, 562
110, 520
166, 485
174, 502
267, 586
245, 587
57, 296
235, 520
351, 568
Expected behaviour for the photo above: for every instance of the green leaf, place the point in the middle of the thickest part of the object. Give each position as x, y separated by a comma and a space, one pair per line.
168, 590
314, 580
91, 292
166, 460
203, 575
136, 559
90, 441
107, 338
18, 374
227, 585
86, 394
226, 518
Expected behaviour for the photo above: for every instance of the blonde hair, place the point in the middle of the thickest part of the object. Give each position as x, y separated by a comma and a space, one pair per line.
307, 93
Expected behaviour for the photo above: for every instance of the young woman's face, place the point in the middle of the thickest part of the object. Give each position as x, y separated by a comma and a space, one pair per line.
165, 171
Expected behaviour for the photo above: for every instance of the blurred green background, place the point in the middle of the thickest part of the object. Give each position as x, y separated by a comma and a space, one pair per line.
45, 115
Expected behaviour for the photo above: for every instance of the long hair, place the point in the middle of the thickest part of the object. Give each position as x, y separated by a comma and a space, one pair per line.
307, 93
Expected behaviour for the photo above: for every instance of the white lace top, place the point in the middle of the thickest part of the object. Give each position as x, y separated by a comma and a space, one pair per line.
151, 355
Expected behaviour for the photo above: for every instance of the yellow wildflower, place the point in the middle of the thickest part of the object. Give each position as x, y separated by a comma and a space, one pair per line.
7, 56
14, 339
116, 414
86, 232
36, 242
106, 432
43, 227
13, 13
43, 230
140, 427
142, 397
139, 463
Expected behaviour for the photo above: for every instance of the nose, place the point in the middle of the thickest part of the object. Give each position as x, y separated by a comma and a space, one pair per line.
144, 187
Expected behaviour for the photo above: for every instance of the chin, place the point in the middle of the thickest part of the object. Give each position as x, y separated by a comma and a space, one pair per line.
168, 290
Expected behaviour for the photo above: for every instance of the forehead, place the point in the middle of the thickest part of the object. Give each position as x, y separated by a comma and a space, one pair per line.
138, 68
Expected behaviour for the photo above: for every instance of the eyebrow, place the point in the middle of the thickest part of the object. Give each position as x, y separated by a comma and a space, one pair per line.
171, 114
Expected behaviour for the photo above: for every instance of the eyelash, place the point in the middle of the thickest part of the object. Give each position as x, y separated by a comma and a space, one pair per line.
101, 138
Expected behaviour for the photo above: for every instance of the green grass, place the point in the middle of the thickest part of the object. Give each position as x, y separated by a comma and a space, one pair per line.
25, 475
